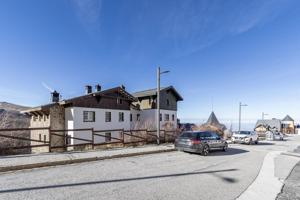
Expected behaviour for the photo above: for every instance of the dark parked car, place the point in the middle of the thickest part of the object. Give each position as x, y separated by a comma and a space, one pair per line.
200, 142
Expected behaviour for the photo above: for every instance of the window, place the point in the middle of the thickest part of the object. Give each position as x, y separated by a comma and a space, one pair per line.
138, 117
131, 117
34, 118
40, 137
119, 101
166, 117
88, 116
121, 117
168, 102
215, 136
207, 135
107, 116
160, 117
44, 138
173, 117
107, 137
40, 118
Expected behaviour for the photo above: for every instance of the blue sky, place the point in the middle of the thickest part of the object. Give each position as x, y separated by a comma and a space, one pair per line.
217, 51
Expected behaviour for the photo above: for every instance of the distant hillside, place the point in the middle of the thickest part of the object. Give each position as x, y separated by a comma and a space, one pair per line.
10, 117
13, 107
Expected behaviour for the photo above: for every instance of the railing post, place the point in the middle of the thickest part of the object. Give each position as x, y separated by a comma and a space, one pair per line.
122, 137
93, 138
146, 139
50, 136
66, 140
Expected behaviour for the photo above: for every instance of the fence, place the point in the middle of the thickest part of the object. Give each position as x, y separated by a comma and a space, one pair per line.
12, 140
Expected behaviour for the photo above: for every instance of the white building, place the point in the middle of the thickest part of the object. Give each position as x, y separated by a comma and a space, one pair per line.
108, 111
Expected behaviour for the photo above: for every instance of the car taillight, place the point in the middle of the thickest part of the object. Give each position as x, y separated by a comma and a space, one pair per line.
195, 141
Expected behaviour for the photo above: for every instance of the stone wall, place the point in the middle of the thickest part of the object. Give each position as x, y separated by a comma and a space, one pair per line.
41, 135
57, 122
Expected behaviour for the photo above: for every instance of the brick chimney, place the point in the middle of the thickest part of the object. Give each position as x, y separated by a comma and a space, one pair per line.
88, 89
54, 96
97, 88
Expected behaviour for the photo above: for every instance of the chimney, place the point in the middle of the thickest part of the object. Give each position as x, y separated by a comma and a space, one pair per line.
97, 88
88, 89
54, 96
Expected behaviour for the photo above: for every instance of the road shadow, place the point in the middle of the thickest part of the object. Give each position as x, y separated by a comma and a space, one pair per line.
261, 143
214, 172
230, 151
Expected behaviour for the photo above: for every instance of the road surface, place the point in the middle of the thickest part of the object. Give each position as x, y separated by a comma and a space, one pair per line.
173, 175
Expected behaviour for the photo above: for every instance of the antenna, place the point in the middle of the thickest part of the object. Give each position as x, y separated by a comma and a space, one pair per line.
212, 104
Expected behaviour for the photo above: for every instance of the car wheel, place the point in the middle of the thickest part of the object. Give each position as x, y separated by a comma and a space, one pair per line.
250, 141
205, 150
225, 147
256, 142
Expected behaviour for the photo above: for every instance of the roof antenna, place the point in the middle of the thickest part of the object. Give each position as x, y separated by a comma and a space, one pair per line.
47, 87
212, 104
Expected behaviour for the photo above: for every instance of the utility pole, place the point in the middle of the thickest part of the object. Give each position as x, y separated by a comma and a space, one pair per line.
158, 106
263, 115
158, 103
240, 114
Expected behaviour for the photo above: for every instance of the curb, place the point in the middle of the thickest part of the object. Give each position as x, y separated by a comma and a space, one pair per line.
79, 160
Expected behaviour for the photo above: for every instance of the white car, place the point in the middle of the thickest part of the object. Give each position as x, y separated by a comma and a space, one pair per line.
246, 137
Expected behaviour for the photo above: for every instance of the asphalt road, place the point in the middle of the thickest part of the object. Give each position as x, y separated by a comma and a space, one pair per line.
174, 175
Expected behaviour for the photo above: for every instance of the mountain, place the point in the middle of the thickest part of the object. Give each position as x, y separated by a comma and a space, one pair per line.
10, 117
12, 107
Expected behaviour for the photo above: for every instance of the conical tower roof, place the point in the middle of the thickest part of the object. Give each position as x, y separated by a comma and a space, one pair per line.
213, 119
213, 122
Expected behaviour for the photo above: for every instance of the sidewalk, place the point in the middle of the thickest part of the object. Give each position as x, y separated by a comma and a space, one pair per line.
275, 169
291, 188
28, 161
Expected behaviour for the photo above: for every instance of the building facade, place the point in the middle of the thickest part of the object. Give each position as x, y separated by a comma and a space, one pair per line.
112, 110
146, 108
288, 125
285, 126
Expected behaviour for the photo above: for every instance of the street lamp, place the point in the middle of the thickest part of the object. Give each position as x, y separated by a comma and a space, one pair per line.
240, 113
263, 115
158, 102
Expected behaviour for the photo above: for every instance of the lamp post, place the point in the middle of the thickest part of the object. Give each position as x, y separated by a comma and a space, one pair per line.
240, 114
158, 103
263, 115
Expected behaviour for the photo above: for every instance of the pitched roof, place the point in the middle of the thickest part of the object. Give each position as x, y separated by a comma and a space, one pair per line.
152, 92
272, 123
287, 118
68, 101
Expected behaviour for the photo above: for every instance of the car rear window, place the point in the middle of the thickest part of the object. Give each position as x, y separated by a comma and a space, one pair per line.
188, 135
198, 135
